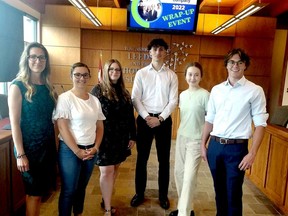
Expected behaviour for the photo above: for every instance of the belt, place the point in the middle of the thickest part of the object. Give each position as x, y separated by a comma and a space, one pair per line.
228, 141
86, 146
154, 114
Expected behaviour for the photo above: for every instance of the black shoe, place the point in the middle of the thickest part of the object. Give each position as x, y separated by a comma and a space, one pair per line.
137, 200
164, 202
174, 213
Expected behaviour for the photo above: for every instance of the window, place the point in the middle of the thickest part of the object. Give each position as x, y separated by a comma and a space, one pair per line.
30, 29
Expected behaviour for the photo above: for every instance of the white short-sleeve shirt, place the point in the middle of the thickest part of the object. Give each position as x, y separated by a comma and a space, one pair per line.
83, 115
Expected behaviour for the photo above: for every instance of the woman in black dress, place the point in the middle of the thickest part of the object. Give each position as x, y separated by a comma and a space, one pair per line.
119, 128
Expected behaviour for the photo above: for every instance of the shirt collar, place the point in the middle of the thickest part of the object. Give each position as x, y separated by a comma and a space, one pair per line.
163, 68
240, 82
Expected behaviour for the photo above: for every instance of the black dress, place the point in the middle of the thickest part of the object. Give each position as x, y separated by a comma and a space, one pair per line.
38, 140
119, 128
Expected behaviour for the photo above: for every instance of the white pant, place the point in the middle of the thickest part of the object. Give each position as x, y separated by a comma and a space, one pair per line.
187, 162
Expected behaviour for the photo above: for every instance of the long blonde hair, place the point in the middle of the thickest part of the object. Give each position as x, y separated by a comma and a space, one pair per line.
24, 73
107, 86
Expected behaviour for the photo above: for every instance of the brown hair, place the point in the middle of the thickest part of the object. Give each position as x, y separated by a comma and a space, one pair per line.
243, 56
194, 64
107, 86
79, 64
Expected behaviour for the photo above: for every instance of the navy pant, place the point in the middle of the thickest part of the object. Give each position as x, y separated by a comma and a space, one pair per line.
145, 135
223, 160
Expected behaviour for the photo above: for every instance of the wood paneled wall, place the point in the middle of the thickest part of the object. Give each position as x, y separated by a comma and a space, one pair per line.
69, 38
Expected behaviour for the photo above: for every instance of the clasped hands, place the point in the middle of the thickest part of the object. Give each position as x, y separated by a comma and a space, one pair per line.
86, 154
152, 121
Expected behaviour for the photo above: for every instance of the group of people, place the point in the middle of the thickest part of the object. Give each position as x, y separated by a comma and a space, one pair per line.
149, 11
98, 127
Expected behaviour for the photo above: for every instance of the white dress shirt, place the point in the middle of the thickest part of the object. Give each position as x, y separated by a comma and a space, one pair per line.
155, 91
231, 109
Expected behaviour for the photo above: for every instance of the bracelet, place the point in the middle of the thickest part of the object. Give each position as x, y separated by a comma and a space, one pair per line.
20, 156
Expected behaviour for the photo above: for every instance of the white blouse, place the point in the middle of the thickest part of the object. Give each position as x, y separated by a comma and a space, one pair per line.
83, 115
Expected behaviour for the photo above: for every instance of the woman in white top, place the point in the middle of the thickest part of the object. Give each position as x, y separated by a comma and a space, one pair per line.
193, 105
80, 121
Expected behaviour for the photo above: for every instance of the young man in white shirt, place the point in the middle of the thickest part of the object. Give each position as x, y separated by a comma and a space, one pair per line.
232, 107
154, 96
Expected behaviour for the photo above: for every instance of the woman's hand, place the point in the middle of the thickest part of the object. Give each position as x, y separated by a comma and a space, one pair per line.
22, 163
87, 154
131, 144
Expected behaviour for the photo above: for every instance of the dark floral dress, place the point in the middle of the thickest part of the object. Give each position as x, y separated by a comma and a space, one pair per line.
119, 128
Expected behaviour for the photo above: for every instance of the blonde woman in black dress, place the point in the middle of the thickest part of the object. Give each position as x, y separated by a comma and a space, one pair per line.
119, 128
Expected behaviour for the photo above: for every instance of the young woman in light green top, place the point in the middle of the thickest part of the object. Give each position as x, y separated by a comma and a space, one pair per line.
192, 103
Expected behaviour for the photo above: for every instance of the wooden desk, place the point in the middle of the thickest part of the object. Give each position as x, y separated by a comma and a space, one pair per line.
270, 169
12, 195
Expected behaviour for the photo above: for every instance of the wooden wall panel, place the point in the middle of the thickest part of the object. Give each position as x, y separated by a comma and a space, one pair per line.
175, 122
57, 36
91, 56
256, 27
61, 16
286, 197
259, 167
214, 72
61, 75
63, 55
259, 66
277, 169
93, 39
129, 41
5, 173
217, 46
260, 47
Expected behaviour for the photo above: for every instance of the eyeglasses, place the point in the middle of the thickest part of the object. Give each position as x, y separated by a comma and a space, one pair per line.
114, 69
34, 58
238, 63
79, 75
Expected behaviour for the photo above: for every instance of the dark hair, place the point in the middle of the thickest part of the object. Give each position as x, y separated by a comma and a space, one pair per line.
107, 87
243, 56
194, 64
157, 42
78, 64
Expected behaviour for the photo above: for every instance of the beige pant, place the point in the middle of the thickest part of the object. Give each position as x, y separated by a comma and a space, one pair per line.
187, 162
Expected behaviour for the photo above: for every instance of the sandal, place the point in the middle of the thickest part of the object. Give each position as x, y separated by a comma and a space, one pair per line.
112, 210
107, 212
